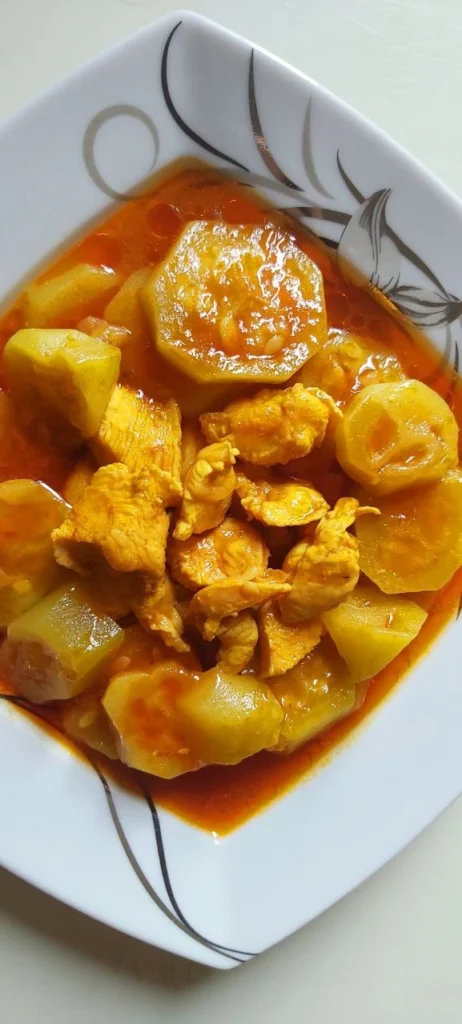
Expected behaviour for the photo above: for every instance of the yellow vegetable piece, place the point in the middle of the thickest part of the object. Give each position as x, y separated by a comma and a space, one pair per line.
283, 645
231, 549
84, 720
141, 707
59, 647
397, 435
59, 295
236, 303
61, 380
207, 491
112, 334
370, 629
416, 542
125, 308
142, 432
226, 718
313, 696
280, 502
273, 426
29, 511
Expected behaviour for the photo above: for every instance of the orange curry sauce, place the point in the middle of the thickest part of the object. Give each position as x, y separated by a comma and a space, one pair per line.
140, 233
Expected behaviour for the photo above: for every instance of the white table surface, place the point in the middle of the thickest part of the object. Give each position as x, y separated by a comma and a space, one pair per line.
390, 953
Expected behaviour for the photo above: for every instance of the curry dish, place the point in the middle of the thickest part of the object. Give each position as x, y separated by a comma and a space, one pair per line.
230, 496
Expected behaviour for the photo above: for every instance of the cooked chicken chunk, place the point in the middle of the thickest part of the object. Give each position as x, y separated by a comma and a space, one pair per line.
208, 489
283, 645
142, 433
233, 548
228, 597
325, 569
192, 440
280, 502
238, 640
154, 607
273, 426
120, 515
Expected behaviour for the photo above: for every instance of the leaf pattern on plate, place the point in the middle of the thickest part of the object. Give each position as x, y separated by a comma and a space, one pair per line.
426, 307
366, 253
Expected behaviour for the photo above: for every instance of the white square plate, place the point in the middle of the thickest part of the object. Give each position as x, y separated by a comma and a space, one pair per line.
185, 87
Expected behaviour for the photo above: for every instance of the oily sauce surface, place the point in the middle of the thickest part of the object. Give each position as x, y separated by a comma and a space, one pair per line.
220, 798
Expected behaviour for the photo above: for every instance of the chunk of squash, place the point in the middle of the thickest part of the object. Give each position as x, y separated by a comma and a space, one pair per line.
79, 286
236, 303
61, 381
29, 511
84, 720
141, 709
370, 629
225, 718
125, 307
313, 695
57, 649
394, 436
416, 542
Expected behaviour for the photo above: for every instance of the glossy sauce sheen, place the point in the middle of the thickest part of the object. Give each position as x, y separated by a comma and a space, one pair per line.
140, 233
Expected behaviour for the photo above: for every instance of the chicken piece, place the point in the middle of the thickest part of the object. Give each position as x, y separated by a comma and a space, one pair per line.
208, 489
280, 502
228, 597
154, 607
192, 440
279, 540
273, 426
78, 479
325, 569
283, 645
238, 640
120, 515
141, 433
231, 549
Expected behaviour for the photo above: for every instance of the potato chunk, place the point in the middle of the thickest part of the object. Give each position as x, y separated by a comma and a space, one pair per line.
313, 695
207, 491
61, 380
84, 720
29, 511
238, 640
280, 502
142, 432
397, 435
121, 516
370, 629
141, 707
231, 549
226, 718
272, 426
325, 569
125, 307
282, 645
236, 303
416, 542
76, 287
227, 597
56, 649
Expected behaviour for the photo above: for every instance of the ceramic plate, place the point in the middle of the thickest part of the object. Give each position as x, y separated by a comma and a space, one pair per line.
185, 87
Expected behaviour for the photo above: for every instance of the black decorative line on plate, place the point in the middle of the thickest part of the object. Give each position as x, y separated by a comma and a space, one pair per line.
317, 213
259, 135
89, 140
168, 884
175, 916
177, 117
